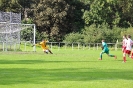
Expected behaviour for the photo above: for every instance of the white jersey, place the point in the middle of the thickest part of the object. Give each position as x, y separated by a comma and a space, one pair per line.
124, 42
129, 44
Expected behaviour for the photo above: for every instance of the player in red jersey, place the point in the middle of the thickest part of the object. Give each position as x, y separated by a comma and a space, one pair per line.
129, 44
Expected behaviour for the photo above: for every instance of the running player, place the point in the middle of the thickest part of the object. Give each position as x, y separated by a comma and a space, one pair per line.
129, 44
105, 50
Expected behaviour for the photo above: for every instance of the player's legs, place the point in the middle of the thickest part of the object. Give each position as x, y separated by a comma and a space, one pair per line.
128, 52
50, 51
124, 57
107, 52
101, 55
45, 51
123, 49
124, 54
131, 54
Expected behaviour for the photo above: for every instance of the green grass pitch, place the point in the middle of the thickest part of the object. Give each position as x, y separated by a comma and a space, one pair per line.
64, 69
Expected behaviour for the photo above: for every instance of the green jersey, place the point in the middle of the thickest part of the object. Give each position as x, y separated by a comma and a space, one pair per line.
105, 47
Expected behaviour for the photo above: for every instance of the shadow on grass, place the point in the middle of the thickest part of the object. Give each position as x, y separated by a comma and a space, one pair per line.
36, 61
20, 61
37, 76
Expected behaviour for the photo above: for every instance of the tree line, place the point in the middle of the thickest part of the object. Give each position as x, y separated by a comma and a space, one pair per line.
75, 20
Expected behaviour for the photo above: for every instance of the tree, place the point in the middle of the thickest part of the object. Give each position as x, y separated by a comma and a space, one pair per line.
10, 6
58, 17
126, 13
112, 12
101, 12
26, 9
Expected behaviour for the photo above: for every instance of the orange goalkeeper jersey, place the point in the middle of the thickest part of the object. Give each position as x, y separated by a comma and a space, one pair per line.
43, 45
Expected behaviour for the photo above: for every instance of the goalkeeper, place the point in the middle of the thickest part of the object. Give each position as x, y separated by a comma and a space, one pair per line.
105, 50
44, 47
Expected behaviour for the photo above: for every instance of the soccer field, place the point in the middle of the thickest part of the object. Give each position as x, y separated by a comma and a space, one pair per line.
64, 69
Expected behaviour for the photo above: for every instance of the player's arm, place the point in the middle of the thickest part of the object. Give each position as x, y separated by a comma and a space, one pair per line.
131, 42
38, 44
102, 47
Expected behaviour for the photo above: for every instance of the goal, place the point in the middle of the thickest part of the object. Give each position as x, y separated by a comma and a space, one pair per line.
11, 31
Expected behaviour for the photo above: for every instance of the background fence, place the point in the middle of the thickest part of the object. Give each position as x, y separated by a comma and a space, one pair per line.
27, 46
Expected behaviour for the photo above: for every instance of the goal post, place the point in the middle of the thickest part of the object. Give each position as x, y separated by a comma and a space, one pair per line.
32, 38
11, 35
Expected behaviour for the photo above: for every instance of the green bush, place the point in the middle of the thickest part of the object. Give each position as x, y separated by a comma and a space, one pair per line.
94, 34
74, 37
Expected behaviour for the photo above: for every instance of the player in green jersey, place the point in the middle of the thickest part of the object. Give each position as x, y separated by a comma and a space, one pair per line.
105, 49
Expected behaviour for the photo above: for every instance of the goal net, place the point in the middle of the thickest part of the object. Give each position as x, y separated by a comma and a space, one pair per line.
12, 32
